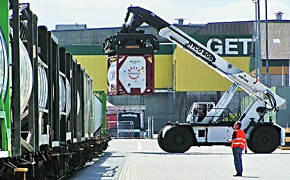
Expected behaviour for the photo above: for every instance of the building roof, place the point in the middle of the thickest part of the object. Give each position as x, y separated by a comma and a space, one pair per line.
278, 34
76, 35
225, 28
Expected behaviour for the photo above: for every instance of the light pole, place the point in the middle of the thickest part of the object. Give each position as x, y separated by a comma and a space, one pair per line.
258, 61
267, 46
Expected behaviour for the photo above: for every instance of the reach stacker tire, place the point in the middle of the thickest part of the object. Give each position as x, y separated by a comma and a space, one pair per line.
161, 141
177, 139
264, 139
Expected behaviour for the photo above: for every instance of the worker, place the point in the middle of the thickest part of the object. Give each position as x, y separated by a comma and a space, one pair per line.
201, 115
238, 144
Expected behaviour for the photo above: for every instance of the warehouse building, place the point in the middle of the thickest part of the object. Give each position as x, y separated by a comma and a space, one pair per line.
180, 78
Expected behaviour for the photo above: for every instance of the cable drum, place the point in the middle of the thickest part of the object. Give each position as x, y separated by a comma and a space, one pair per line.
68, 96
3, 65
86, 98
62, 94
42, 87
88, 104
97, 113
42, 93
26, 77
86, 101
89, 100
78, 102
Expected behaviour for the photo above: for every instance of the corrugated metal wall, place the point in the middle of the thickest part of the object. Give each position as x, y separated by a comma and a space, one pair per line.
163, 71
192, 75
96, 66
181, 70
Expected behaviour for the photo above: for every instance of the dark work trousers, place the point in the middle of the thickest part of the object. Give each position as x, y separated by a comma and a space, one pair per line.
237, 152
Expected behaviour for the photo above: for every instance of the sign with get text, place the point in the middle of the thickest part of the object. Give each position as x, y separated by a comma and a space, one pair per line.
227, 45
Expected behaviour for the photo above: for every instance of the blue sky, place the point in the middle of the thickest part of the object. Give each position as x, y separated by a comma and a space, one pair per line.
111, 13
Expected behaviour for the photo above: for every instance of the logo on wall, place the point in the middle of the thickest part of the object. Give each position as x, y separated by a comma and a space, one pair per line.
227, 45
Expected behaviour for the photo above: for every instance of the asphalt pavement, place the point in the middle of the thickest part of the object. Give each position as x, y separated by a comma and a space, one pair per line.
142, 159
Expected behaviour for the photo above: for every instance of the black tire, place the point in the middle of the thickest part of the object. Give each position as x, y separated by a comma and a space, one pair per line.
161, 140
178, 139
264, 139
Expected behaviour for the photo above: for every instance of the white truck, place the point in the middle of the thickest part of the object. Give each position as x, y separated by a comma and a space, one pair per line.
263, 135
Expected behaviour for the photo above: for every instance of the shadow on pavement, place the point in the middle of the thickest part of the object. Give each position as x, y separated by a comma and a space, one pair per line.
98, 169
251, 177
182, 154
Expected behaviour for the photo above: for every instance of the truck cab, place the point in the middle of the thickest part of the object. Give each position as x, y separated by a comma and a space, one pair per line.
198, 111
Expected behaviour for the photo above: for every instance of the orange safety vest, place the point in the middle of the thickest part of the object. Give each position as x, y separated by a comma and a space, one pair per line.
240, 140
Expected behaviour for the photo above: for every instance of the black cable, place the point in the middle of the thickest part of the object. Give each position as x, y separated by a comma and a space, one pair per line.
272, 101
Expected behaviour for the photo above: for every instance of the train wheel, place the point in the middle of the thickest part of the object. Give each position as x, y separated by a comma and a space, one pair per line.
178, 139
264, 139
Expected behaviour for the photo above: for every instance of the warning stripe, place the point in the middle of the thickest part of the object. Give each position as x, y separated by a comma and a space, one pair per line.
287, 140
